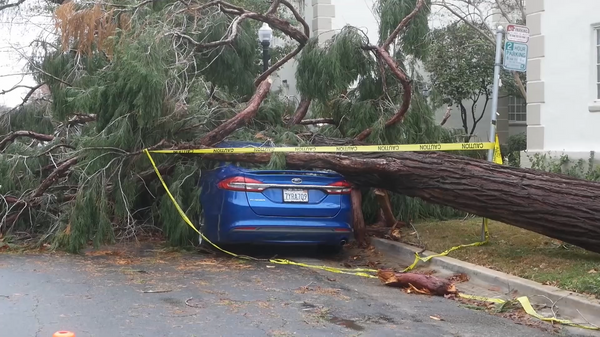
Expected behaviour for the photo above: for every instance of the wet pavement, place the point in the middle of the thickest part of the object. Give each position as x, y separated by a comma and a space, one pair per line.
157, 293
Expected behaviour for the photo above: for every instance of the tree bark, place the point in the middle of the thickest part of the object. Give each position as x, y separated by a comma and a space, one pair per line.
300, 112
225, 129
11, 137
358, 220
426, 284
557, 206
386, 207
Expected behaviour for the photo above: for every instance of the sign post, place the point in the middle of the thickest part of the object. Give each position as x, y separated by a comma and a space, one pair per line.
495, 90
515, 59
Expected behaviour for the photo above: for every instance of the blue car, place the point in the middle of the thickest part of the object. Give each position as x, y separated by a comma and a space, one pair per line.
243, 204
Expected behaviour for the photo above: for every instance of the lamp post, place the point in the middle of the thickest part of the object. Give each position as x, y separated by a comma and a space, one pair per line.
265, 35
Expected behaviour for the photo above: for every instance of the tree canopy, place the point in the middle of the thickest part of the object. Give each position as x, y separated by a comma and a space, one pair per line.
126, 76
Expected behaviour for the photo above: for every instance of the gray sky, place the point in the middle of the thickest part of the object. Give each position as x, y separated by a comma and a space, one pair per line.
18, 30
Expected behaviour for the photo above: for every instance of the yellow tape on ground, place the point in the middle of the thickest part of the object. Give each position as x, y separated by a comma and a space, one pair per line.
328, 149
425, 259
528, 308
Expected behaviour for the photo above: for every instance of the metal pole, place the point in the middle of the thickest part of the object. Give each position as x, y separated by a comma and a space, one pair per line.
266, 55
495, 89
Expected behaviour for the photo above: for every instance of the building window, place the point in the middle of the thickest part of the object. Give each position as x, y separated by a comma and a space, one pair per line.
597, 63
517, 109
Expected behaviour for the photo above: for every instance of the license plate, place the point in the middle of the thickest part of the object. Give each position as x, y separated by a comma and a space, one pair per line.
295, 196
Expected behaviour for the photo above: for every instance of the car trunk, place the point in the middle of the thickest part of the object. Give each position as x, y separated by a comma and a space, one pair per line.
294, 193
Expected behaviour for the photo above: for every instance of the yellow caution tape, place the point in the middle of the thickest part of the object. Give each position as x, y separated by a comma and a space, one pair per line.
329, 149
474, 244
526, 305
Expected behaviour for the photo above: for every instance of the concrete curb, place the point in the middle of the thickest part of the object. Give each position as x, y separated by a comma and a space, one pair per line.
568, 302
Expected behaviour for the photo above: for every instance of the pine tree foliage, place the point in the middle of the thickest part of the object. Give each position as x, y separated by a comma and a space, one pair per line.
348, 84
391, 12
125, 77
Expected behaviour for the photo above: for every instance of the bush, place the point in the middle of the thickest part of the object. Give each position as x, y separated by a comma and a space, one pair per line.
512, 150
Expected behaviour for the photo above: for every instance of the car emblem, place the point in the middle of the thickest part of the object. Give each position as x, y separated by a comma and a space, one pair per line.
297, 180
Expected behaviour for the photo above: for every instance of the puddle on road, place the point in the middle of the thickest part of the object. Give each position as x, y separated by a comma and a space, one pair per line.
347, 323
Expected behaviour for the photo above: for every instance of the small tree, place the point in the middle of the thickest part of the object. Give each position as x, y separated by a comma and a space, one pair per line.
462, 70
480, 15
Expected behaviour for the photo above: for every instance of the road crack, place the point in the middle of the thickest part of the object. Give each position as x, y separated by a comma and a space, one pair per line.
36, 316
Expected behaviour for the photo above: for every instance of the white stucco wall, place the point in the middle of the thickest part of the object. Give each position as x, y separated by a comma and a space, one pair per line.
568, 76
357, 13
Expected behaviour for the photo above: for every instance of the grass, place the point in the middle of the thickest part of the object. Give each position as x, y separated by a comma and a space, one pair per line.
514, 251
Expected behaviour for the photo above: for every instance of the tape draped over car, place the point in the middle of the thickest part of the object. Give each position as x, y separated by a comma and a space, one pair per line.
243, 204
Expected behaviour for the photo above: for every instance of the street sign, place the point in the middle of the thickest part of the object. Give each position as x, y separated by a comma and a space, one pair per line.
516, 33
515, 56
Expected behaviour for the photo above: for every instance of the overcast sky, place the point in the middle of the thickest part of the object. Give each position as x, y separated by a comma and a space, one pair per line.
18, 30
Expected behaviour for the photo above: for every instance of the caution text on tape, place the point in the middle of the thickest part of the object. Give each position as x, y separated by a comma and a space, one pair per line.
347, 148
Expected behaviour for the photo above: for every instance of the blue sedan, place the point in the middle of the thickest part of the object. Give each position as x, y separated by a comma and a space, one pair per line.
246, 205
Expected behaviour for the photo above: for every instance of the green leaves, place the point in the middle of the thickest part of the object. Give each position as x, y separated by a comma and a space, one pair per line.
412, 40
324, 72
460, 62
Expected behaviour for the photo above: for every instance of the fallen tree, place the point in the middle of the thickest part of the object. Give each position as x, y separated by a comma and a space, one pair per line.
187, 73
557, 206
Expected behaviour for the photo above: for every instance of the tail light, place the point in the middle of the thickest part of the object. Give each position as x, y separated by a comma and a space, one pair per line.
347, 188
241, 184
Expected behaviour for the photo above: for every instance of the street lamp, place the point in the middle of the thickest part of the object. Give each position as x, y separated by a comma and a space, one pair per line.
265, 35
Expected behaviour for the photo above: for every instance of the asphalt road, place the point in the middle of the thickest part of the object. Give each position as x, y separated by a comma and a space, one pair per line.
170, 294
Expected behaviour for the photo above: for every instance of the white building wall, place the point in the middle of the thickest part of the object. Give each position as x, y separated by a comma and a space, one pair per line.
569, 75
563, 109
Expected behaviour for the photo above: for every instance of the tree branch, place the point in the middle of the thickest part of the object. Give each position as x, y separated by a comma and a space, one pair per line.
10, 5
317, 121
278, 64
30, 134
235, 25
300, 112
382, 53
520, 84
243, 117
27, 96
58, 172
406, 92
487, 36
502, 11
446, 115
297, 16
403, 24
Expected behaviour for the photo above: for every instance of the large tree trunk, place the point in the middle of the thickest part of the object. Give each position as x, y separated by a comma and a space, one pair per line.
557, 206
358, 220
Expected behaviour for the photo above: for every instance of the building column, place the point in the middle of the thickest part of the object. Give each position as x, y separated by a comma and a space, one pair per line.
322, 19
535, 83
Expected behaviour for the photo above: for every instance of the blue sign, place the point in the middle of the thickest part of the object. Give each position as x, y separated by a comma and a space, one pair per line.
515, 56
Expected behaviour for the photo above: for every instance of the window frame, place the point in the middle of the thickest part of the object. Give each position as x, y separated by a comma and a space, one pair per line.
517, 106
